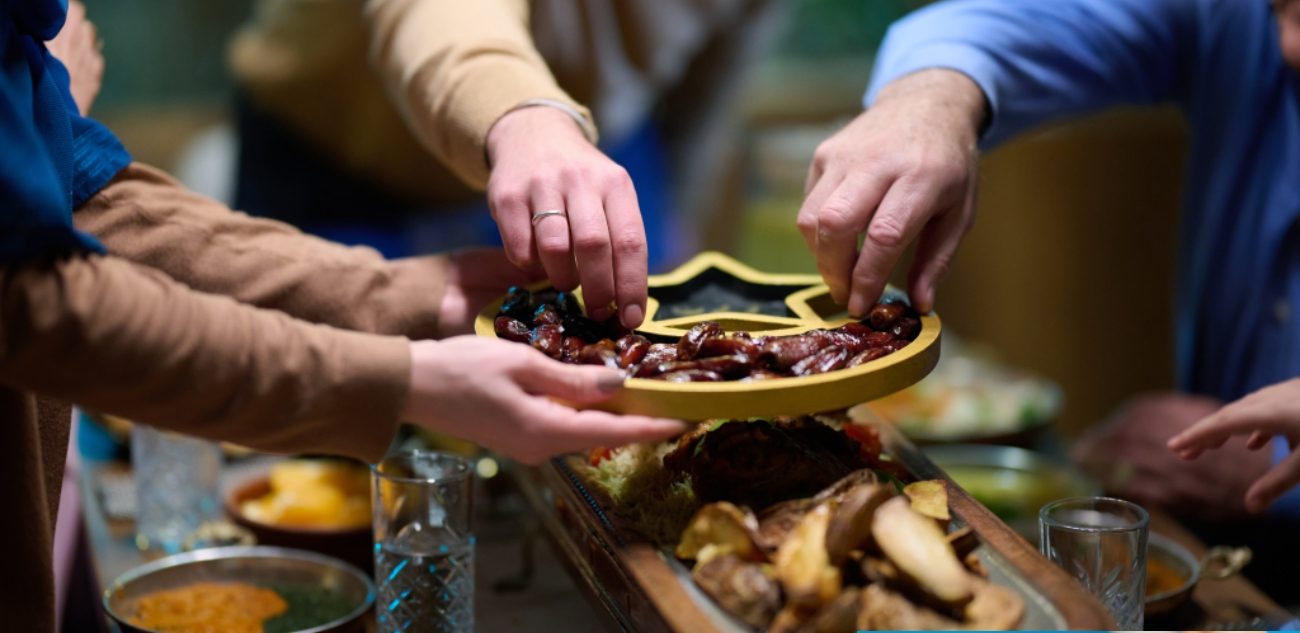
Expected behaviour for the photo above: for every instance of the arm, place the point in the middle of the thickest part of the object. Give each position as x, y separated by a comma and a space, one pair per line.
904, 170
464, 75
126, 340
123, 339
148, 218
1040, 61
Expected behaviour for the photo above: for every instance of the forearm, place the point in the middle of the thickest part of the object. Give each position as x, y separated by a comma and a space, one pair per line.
1036, 62
146, 217
455, 68
122, 339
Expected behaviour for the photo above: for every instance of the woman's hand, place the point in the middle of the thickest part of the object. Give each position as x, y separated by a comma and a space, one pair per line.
541, 161
504, 396
1268, 413
77, 46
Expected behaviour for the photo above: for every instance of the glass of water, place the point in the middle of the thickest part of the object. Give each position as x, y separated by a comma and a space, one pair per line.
424, 542
1102, 543
177, 481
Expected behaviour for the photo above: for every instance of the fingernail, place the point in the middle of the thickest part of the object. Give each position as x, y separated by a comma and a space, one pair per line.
632, 316
610, 382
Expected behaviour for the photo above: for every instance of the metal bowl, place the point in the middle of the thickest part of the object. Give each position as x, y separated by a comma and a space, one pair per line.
262, 566
1013, 483
1217, 564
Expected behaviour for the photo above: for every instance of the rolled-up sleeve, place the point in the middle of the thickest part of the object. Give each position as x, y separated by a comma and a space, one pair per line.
1042, 60
123, 339
148, 218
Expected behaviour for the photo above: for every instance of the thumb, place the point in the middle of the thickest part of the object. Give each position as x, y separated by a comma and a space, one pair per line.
576, 384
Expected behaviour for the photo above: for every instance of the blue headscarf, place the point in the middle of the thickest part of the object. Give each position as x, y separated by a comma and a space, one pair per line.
52, 159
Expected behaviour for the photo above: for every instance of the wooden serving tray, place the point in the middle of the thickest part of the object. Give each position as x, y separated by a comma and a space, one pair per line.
642, 588
714, 287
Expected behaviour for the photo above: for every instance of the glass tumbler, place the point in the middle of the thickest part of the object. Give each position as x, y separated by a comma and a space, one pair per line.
177, 481
424, 542
1102, 543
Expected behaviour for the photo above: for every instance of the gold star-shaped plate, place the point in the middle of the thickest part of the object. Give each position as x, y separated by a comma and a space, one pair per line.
715, 287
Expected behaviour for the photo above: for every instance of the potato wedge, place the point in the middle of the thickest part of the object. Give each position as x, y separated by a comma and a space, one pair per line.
994, 608
720, 528
917, 546
929, 498
740, 587
850, 526
802, 564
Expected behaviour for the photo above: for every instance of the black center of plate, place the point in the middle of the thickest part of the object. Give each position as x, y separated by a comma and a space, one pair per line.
715, 290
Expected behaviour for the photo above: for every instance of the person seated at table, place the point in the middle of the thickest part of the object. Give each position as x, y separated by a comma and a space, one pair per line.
164, 307
956, 77
381, 122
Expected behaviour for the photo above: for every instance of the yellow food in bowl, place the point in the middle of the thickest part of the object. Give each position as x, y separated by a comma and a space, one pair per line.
313, 494
208, 606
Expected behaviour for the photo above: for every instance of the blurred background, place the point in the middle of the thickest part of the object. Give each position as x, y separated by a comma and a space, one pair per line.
1068, 272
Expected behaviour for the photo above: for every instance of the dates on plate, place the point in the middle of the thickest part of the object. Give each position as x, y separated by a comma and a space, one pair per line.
553, 323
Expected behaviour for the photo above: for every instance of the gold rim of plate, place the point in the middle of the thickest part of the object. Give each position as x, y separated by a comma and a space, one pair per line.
812, 307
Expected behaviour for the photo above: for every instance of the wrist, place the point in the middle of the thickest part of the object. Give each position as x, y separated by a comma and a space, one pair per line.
946, 96
535, 117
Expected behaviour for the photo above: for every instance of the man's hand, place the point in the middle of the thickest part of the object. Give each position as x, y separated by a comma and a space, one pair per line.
542, 162
1268, 413
77, 46
474, 278
498, 394
903, 169
1128, 455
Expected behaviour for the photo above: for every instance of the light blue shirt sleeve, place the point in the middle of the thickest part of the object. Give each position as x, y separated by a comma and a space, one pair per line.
1041, 60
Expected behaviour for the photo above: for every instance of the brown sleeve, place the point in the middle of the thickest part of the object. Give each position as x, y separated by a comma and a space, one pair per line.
123, 339
454, 67
146, 217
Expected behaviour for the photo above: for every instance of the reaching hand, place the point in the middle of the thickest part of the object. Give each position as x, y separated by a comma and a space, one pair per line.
542, 162
903, 169
77, 46
498, 394
1128, 456
474, 278
1270, 412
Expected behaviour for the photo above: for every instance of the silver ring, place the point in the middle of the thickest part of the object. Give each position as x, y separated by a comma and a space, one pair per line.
537, 217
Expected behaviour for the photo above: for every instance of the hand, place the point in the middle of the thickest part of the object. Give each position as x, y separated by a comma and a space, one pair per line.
474, 278
1128, 455
496, 393
541, 161
1265, 414
902, 169
77, 46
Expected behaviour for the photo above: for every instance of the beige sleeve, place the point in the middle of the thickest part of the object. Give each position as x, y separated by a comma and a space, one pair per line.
148, 218
454, 67
123, 339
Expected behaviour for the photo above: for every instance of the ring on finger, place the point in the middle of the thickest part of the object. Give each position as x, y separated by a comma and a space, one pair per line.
537, 217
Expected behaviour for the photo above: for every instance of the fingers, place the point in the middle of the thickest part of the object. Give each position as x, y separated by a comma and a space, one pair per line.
590, 235
575, 430
1238, 418
627, 236
509, 208
577, 384
1273, 484
901, 214
818, 187
934, 253
843, 216
1258, 440
551, 235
